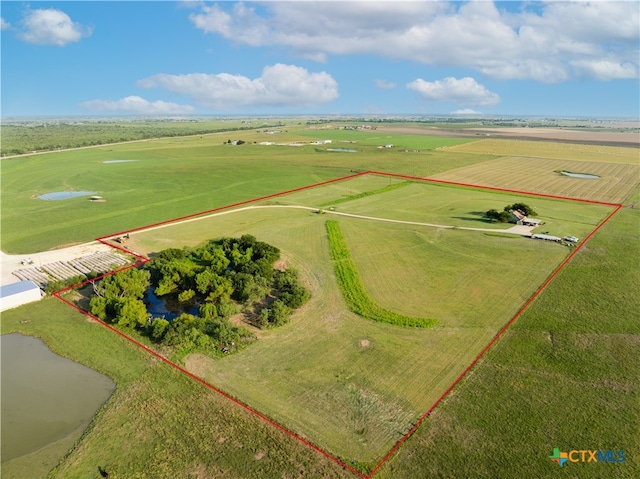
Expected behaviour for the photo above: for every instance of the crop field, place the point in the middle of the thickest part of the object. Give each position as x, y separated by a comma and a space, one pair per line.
543, 149
354, 386
562, 376
617, 180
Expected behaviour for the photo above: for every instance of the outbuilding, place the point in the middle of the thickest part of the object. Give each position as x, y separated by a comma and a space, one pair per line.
17, 294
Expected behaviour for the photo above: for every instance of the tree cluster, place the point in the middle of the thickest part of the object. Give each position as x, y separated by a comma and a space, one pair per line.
221, 277
504, 216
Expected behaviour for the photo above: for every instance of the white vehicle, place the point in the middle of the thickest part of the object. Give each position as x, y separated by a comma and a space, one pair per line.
571, 239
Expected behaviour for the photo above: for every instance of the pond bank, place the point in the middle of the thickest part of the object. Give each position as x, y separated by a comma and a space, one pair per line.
47, 400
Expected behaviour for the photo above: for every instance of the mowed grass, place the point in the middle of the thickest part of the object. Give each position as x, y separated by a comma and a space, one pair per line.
546, 149
174, 177
353, 290
565, 375
351, 385
432, 203
501, 422
158, 424
353, 139
541, 175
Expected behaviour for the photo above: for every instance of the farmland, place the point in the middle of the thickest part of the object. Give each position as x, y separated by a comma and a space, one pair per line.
173, 177
329, 363
617, 180
557, 151
350, 385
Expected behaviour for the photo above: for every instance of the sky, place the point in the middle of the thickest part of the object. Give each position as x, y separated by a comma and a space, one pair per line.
540, 58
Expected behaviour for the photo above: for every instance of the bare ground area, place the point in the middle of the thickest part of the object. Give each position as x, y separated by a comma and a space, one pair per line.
10, 263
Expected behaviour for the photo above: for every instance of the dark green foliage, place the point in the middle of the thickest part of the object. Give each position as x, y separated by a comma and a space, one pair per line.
119, 298
496, 216
526, 209
222, 277
353, 290
293, 294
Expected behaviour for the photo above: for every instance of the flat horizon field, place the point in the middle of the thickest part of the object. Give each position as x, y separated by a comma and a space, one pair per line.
157, 180
336, 378
562, 376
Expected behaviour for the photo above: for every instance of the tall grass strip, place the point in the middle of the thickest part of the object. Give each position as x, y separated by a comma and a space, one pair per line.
353, 290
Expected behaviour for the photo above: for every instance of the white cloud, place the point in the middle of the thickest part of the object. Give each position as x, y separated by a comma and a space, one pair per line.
464, 91
385, 85
466, 111
51, 27
4, 25
605, 69
279, 85
137, 105
543, 41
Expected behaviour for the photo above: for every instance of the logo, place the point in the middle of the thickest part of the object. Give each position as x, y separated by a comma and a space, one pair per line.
583, 455
559, 457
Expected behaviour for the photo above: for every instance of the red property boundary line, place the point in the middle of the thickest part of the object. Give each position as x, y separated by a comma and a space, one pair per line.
143, 260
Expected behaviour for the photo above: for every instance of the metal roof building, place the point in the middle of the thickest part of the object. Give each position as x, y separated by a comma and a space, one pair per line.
17, 294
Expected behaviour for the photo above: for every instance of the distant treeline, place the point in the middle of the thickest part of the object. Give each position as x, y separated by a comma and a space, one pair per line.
22, 139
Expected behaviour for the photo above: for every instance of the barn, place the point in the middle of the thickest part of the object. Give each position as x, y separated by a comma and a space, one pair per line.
17, 294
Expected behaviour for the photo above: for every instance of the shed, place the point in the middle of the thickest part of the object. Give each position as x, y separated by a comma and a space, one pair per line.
17, 294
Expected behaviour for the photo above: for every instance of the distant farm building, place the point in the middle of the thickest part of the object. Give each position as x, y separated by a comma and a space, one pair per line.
17, 294
321, 142
519, 218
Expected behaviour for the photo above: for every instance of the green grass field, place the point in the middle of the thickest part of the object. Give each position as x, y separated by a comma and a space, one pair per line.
564, 376
327, 354
170, 178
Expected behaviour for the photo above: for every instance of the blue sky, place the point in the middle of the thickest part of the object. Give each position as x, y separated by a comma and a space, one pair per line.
326, 57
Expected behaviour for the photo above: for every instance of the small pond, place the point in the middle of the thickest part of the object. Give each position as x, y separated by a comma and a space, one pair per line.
168, 307
65, 195
586, 176
117, 161
45, 397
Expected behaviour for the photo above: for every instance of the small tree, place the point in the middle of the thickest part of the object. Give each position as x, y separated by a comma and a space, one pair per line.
526, 209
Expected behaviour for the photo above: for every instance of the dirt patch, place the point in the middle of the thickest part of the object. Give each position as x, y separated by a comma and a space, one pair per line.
197, 364
259, 455
364, 343
280, 265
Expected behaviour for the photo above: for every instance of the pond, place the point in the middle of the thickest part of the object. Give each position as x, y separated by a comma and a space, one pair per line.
117, 161
168, 307
586, 176
45, 397
342, 150
65, 195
